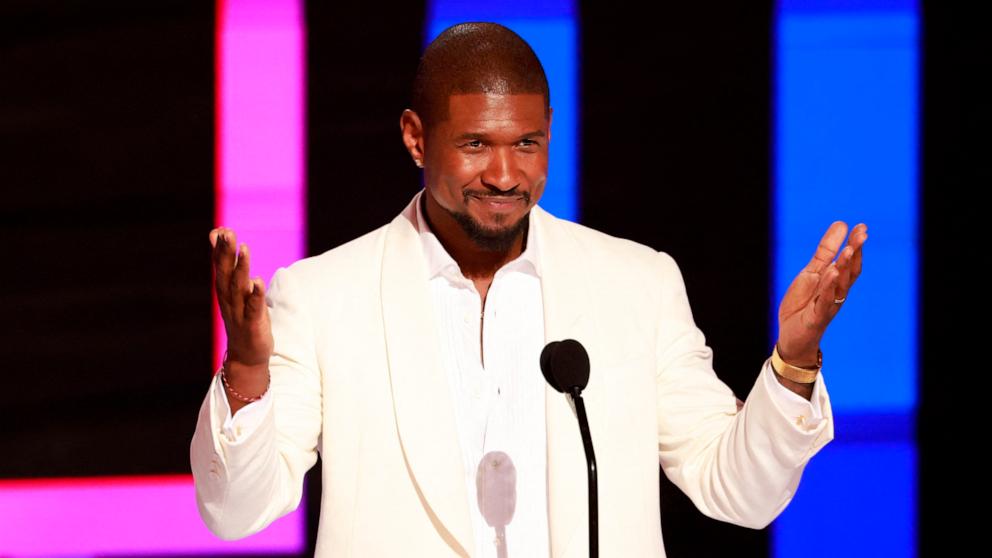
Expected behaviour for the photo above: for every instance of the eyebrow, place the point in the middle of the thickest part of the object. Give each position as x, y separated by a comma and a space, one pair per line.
475, 136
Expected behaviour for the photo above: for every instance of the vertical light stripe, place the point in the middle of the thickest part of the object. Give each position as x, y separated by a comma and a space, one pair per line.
847, 148
260, 132
260, 187
551, 29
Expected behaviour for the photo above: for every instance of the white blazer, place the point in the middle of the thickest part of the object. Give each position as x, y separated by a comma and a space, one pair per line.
356, 375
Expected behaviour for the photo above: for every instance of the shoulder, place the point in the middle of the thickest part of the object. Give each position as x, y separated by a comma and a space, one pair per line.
355, 261
607, 252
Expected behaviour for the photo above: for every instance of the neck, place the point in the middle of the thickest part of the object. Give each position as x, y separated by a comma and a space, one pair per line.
474, 262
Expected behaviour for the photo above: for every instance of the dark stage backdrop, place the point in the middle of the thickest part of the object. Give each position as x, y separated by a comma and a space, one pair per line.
359, 69
106, 138
957, 118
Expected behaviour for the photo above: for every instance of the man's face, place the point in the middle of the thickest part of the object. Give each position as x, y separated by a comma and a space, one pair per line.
486, 164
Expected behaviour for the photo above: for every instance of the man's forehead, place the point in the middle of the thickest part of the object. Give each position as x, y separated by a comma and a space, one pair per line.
480, 107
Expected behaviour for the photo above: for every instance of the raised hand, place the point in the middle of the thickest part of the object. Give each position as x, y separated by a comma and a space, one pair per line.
817, 294
246, 317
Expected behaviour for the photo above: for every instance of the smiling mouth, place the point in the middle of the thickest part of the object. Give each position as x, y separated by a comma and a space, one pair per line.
500, 204
499, 201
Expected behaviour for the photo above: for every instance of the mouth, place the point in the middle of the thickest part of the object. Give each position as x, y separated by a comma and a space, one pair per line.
499, 203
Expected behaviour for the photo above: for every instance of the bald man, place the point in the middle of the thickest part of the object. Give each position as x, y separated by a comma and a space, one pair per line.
409, 358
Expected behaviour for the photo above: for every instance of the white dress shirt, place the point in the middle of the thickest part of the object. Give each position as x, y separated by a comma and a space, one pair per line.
498, 392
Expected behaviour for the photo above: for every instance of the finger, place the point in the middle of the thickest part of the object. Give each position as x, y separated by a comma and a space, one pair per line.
255, 305
223, 256
241, 282
856, 259
858, 230
825, 307
844, 278
827, 249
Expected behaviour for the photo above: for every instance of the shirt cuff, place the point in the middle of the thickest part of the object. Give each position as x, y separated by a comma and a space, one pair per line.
805, 414
246, 420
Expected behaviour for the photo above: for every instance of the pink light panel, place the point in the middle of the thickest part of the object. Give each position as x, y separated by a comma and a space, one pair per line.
259, 191
260, 133
122, 516
260, 157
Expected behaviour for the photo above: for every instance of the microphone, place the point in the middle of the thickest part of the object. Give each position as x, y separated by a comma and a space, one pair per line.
565, 365
496, 490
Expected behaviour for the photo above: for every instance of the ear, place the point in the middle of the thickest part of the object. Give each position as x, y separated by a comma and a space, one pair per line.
413, 135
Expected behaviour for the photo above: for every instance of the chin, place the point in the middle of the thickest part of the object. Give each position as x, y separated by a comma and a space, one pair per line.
498, 238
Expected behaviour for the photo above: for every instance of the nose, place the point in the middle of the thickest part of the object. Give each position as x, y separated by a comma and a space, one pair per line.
502, 171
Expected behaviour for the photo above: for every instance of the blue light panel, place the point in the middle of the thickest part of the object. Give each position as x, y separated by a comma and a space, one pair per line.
857, 500
846, 148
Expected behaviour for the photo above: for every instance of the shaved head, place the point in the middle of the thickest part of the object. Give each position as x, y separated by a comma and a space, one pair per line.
475, 58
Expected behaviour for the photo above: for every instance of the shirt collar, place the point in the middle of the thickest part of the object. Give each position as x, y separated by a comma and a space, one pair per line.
439, 262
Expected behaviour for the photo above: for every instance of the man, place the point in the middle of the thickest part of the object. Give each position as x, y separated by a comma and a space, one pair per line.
409, 358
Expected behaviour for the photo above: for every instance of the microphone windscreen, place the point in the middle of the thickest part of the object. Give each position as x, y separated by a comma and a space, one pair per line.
565, 365
496, 488
546, 356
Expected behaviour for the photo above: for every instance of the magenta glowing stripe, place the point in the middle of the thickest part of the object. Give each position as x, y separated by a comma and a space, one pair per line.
260, 154
118, 516
260, 149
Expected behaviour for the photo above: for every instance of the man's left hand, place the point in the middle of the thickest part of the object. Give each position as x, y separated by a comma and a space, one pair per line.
817, 293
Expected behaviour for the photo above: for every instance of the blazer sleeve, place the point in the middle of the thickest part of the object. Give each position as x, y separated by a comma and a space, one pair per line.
245, 483
739, 466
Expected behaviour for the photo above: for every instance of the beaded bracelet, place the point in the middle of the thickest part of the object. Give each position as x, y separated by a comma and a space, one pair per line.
234, 392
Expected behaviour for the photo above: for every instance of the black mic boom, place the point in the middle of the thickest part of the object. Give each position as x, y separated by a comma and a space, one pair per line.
565, 365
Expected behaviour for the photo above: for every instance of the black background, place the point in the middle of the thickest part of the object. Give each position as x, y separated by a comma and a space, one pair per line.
106, 134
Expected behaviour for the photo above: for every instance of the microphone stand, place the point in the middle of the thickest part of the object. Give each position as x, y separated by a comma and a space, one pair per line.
580, 409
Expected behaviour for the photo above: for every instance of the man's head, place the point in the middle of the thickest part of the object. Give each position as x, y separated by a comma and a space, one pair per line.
475, 58
480, 127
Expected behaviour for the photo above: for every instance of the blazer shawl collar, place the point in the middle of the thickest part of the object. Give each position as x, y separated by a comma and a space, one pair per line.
425, 415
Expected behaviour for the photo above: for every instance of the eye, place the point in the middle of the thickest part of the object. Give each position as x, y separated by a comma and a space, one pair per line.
472, 146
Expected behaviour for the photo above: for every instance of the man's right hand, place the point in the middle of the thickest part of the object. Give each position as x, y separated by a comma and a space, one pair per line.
246, 318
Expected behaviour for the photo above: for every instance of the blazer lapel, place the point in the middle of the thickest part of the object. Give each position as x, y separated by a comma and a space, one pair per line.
568, 314
425, 416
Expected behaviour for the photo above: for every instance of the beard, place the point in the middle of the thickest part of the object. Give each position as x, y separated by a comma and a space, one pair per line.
493, 240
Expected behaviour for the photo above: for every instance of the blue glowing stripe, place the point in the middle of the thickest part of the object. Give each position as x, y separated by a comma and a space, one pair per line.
857, 500
551, 30
847, 148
